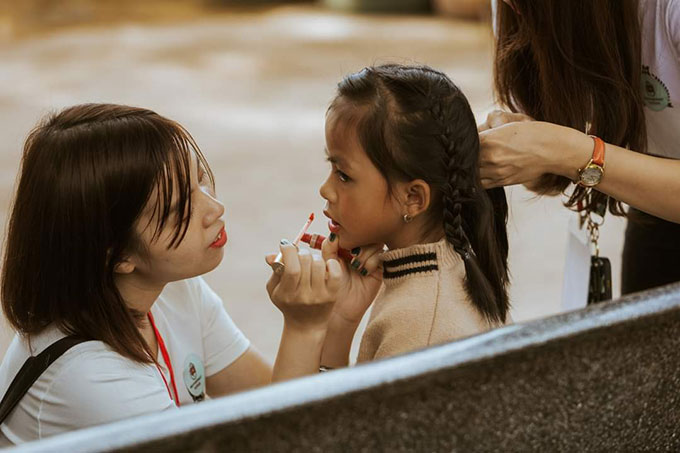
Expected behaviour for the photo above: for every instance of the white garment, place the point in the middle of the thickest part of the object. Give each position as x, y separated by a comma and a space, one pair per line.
660, 20
91, 384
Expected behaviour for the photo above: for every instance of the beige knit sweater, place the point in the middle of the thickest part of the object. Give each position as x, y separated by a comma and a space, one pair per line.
422, 302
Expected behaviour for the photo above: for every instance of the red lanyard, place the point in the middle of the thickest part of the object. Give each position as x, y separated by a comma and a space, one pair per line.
168, 363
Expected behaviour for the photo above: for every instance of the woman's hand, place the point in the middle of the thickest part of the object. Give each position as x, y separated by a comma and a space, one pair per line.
307, 289
305, 293
521, 152
360, 282
499, 117
360, 279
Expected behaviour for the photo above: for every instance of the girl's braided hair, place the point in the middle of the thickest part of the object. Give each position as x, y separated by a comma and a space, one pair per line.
414, 123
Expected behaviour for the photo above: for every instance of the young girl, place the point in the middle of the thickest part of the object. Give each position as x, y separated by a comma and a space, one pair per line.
403, 146
115, 219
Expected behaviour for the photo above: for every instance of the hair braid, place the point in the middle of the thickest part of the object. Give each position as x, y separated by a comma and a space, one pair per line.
457, 151
452, 194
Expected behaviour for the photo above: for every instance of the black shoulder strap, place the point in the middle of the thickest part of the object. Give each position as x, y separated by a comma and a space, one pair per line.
31, 371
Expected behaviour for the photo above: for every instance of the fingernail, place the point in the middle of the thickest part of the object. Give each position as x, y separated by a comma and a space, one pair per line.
284, 242
355, 264
364, 272
332, 237
355, 251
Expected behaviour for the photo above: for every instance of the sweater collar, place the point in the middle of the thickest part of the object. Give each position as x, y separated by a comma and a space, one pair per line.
418, 260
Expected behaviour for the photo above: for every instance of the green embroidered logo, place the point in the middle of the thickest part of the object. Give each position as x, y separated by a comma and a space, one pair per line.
654, 91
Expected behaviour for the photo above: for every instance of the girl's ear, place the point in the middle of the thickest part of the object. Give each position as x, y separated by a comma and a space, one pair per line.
417, 196
124, 266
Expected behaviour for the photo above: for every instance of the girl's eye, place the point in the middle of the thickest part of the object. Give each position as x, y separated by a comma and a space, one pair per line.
342, 176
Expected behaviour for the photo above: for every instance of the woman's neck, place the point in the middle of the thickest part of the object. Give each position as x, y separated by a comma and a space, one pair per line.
138, 295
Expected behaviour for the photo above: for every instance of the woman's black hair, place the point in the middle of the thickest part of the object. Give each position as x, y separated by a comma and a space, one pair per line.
576, 63
414, 123
87, 175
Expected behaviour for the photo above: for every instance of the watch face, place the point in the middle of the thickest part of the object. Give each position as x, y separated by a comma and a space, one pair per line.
591, 175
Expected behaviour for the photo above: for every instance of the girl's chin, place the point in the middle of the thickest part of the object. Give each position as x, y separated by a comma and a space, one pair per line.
345, 244
349, 244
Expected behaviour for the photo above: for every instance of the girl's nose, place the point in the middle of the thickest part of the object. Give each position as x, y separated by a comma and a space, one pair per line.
326, 191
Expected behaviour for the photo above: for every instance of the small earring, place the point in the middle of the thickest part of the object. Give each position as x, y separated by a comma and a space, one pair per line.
407, 218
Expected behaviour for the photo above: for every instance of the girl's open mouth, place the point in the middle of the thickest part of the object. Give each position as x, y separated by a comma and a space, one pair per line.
333, 226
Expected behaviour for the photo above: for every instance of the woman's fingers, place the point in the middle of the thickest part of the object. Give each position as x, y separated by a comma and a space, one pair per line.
318, 275
275, 278
372, 264
488, 183
270, 258
329, 249
367, 259
290, 277
334, 276
305, 260
307, 277
499, 117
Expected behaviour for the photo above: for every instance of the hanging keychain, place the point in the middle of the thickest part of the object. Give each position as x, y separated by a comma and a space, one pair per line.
600, 284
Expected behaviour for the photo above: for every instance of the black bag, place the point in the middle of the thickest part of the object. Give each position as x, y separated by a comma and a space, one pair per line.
31, 370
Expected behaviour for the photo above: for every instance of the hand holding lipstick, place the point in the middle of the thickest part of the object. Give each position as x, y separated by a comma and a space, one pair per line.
306, 288
361, 278
360, 282
305, 291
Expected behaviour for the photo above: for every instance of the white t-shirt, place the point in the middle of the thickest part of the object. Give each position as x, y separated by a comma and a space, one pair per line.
660, 20
91, 384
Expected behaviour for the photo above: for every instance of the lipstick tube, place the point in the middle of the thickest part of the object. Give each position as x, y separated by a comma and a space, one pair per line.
315, 241
278, 266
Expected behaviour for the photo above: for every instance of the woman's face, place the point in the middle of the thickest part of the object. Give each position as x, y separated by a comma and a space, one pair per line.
356, 193
202, 248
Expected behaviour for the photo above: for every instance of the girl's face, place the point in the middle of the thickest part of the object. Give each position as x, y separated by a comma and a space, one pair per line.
356, 193
202, 248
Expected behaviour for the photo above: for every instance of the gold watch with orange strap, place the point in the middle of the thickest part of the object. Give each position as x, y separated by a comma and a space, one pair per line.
592, 173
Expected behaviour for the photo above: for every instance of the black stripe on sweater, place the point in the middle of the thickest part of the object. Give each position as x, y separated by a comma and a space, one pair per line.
419, 258
415, 270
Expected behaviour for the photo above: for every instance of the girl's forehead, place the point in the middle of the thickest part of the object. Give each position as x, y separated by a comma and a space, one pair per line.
342, 126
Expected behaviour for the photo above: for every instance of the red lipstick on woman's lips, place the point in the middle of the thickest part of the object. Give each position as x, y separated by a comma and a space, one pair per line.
220, 240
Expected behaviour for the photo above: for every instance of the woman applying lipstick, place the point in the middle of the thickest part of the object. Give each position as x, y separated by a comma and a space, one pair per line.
115, 219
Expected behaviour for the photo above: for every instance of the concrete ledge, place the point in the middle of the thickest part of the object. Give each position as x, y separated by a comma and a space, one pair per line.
604, 378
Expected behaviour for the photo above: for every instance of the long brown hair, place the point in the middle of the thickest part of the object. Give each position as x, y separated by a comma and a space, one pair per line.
576, 63
87, 174
414, 123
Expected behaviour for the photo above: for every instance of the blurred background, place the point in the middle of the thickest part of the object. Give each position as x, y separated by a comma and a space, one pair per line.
251, 80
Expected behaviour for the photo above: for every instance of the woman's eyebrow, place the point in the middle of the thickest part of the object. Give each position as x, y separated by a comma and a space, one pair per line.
175, 205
